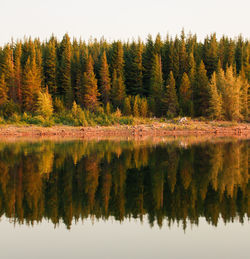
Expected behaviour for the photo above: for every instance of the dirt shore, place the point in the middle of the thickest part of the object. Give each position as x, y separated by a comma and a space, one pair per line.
217, 129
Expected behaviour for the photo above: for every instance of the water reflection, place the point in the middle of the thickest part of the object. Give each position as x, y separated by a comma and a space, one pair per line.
73, 180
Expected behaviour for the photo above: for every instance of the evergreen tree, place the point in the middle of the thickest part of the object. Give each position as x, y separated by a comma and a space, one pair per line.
49, 67
231, 94
118, 90
144, 107
91, 94
186, 96
156, 84
215, 100
210, 55
65, 71
148, 60
183, 57
201, 93
136, 111
133, 69
117, 59
127, 106
7, 68
170, 105
44, 105
31, 84
3, 91
245, 96
105, 85
18, 72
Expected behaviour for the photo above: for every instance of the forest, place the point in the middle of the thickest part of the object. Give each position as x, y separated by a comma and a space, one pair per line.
65, 182
74, 82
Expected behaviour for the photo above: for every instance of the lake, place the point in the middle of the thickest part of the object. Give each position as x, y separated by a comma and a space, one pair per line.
152, 198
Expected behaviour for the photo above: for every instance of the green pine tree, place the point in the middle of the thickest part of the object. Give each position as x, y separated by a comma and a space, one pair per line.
104, 81
170, 105
215, 100
156, 85
91, 93
3, 91
186, 96
118, 90
201, 91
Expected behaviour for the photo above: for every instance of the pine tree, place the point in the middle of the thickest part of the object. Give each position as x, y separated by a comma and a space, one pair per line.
3, 91
170, 105
201, 93
76, 72
210, 55
104, 81
133, 69
91, 94
18, 72
117, 59
215, 100
232, 96
244, 95
127, 106
136, 111
7, 68
44, 105
148, 59
49, 67
65, 71
156, 84
186, 96
31, 85
118, 90
144, 107
183, 57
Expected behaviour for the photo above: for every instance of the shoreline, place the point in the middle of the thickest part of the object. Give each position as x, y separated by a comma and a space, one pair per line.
241, 130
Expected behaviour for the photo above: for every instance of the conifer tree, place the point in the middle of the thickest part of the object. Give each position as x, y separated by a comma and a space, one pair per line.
3, 91
156, 84
215, 100
244, 95
133, 69
65, 71
144, 107
44, 105
170, 105
148, 60
31, 84
117, 59
201, 94
91, 94
7, 68
183, 57
127, 106
49, 67
136, 111
18, 72
76, 72
118, 90
210, 55
104, 81
186, 95
232, 96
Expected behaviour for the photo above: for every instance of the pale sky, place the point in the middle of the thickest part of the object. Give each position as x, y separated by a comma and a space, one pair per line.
123, 20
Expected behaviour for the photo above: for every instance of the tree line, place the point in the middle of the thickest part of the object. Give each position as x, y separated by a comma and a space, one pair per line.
160, 77
74, 180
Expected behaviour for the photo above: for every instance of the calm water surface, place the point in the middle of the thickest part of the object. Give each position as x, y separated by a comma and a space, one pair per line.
125, 199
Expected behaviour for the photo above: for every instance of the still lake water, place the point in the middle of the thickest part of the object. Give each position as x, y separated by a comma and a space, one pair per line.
125, 199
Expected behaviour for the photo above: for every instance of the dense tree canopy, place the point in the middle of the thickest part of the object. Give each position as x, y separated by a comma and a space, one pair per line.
119, 69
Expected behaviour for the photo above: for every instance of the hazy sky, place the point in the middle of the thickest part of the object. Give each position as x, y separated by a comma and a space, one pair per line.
125, 19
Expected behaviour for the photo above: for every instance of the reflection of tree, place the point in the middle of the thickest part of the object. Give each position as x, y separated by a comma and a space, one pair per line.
73, 180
